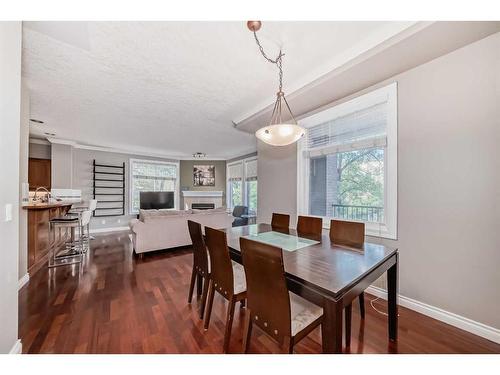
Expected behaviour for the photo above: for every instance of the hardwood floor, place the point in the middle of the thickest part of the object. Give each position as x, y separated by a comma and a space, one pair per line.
117, 303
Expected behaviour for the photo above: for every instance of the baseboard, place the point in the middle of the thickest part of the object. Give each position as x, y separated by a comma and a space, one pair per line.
466, 324
109, 230
23, 281
17, 348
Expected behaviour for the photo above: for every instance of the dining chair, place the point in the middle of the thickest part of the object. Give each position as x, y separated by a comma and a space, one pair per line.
280, 221
226, 278
310, 225
351, 234
201, 267
284, 316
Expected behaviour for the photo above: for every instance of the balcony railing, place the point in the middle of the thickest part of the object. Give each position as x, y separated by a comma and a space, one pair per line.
361, 213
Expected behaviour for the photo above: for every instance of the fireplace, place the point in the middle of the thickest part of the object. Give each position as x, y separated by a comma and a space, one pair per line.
203, 200
202, 206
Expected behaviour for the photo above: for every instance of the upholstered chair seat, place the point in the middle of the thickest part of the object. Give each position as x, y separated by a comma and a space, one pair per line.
303, 313
240, 284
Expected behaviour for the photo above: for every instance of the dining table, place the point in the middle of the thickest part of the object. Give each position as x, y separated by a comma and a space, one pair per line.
327, 274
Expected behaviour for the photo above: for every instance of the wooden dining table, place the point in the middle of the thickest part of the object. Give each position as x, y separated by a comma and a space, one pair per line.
331, 276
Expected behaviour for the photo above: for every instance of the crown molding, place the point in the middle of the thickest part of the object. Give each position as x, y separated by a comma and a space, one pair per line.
52, 140
38, 141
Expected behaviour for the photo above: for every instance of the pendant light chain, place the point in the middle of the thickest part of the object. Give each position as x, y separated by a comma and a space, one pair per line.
278, 61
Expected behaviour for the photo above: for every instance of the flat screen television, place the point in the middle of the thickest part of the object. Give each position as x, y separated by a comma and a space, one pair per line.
155, 200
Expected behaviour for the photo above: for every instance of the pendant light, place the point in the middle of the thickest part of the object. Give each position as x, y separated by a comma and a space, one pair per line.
283, 129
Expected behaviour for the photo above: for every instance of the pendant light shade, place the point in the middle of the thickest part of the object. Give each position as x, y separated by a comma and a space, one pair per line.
280, 135
283, 129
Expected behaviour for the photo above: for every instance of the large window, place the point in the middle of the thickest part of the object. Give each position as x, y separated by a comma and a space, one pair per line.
242, 184
149, 175
348, 163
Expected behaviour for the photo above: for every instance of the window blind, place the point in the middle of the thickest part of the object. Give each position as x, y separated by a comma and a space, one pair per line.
251, 174
362, 128
153, 171
235, 172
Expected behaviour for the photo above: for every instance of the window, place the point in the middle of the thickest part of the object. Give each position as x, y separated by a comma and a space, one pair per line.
251, 184
348, 162
149, 175
242, 184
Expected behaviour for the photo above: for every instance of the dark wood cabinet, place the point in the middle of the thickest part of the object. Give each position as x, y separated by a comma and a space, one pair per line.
39, 173
38, 232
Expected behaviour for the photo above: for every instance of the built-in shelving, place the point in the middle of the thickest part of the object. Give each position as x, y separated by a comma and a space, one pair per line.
109, 188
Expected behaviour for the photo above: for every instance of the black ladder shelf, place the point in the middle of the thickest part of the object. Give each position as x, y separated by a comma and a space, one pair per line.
109, 174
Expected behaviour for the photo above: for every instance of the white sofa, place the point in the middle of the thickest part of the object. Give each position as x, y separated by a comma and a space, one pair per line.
163, 229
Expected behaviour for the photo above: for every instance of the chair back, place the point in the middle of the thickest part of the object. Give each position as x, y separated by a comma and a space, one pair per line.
92, 204
268, 300
240, 210
348, 233
280, 221
221, 268
310, 225
86, 215
200, 257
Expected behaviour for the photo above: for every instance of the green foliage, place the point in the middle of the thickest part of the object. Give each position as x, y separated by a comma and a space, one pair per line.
361, 177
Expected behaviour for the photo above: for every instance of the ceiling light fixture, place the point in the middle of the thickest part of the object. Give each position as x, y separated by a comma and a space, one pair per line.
36, 121
199, 155
283, 129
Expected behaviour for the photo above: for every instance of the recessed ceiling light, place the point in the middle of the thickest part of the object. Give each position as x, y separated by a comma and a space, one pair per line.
50, 134
36, 121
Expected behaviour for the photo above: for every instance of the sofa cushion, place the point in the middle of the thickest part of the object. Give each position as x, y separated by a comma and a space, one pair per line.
150, 214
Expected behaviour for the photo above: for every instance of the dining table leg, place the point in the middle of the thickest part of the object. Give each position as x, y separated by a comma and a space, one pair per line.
392, 291
331, 328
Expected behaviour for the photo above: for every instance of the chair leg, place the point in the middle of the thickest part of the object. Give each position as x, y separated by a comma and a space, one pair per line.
199, 286
348, 316
210, 301
229, 324
362, 305
288, 345
191, 286
204, 297
247, 334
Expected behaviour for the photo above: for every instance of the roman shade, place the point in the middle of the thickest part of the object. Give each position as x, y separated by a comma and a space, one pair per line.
235, 172
251, 170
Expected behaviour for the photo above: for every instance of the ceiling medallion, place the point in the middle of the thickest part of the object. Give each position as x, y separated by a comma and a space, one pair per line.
283, 129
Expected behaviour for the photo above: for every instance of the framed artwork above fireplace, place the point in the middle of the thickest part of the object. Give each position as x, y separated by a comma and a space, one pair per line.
204, 175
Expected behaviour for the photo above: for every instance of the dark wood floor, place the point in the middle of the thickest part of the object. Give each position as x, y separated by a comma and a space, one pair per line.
117, 303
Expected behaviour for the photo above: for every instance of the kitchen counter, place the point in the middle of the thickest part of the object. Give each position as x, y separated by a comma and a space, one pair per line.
44, 206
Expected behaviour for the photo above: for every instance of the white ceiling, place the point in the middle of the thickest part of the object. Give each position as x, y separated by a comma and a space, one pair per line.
174, 88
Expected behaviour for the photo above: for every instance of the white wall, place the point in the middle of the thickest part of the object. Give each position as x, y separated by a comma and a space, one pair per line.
277, 181
10, 107
448, 181
23, 178
39, 151
61, 166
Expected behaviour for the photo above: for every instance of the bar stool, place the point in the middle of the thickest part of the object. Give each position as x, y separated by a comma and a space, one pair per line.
77, 210
74, 249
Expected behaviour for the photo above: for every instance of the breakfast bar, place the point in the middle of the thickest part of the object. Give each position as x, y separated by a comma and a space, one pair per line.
39, 215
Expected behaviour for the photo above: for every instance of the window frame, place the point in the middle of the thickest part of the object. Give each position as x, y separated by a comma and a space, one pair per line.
131, 184
389, 92
244, 194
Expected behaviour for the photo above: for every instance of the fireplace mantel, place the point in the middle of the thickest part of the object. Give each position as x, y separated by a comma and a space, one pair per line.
202, 196
202, 193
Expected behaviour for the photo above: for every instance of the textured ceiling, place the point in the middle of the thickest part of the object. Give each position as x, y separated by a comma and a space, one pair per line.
173, 88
